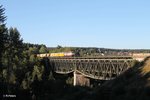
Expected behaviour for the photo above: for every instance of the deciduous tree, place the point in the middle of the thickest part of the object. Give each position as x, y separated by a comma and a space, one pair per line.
43, 49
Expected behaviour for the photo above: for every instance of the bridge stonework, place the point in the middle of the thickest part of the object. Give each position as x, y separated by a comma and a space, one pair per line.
80, 79
84, 68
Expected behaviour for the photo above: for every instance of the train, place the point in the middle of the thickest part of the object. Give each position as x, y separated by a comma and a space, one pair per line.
59, 54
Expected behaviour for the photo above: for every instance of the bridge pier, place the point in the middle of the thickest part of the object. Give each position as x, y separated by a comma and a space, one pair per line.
74, 78
80, 79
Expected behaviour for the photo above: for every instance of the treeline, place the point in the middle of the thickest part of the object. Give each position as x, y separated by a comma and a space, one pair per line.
35, 48
60, 49
91, 51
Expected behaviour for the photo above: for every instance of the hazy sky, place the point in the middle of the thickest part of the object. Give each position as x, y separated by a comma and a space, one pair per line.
88, 23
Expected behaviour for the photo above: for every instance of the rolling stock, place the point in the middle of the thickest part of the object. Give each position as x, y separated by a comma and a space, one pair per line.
60, 54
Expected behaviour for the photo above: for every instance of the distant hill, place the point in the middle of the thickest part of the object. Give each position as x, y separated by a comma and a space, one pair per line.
107, 49
93, 51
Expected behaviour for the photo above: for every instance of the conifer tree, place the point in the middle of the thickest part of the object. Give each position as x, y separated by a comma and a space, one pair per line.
2, 32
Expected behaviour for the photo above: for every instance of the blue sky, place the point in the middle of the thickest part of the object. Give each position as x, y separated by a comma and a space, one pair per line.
88, 23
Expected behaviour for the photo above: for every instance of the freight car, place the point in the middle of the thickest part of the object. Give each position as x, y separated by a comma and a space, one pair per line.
60, 54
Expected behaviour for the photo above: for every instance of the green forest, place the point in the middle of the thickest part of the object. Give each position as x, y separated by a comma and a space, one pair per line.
24, 75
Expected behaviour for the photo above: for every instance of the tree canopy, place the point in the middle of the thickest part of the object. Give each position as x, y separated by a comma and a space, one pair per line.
43, 49
2, 16
2, 31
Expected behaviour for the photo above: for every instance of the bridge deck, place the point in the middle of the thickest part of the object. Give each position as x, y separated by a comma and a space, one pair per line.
101, 57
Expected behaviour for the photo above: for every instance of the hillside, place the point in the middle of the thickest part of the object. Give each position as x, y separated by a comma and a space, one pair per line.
134, 84
93, 51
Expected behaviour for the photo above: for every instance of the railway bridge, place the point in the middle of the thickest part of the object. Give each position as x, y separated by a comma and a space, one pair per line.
84, 68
